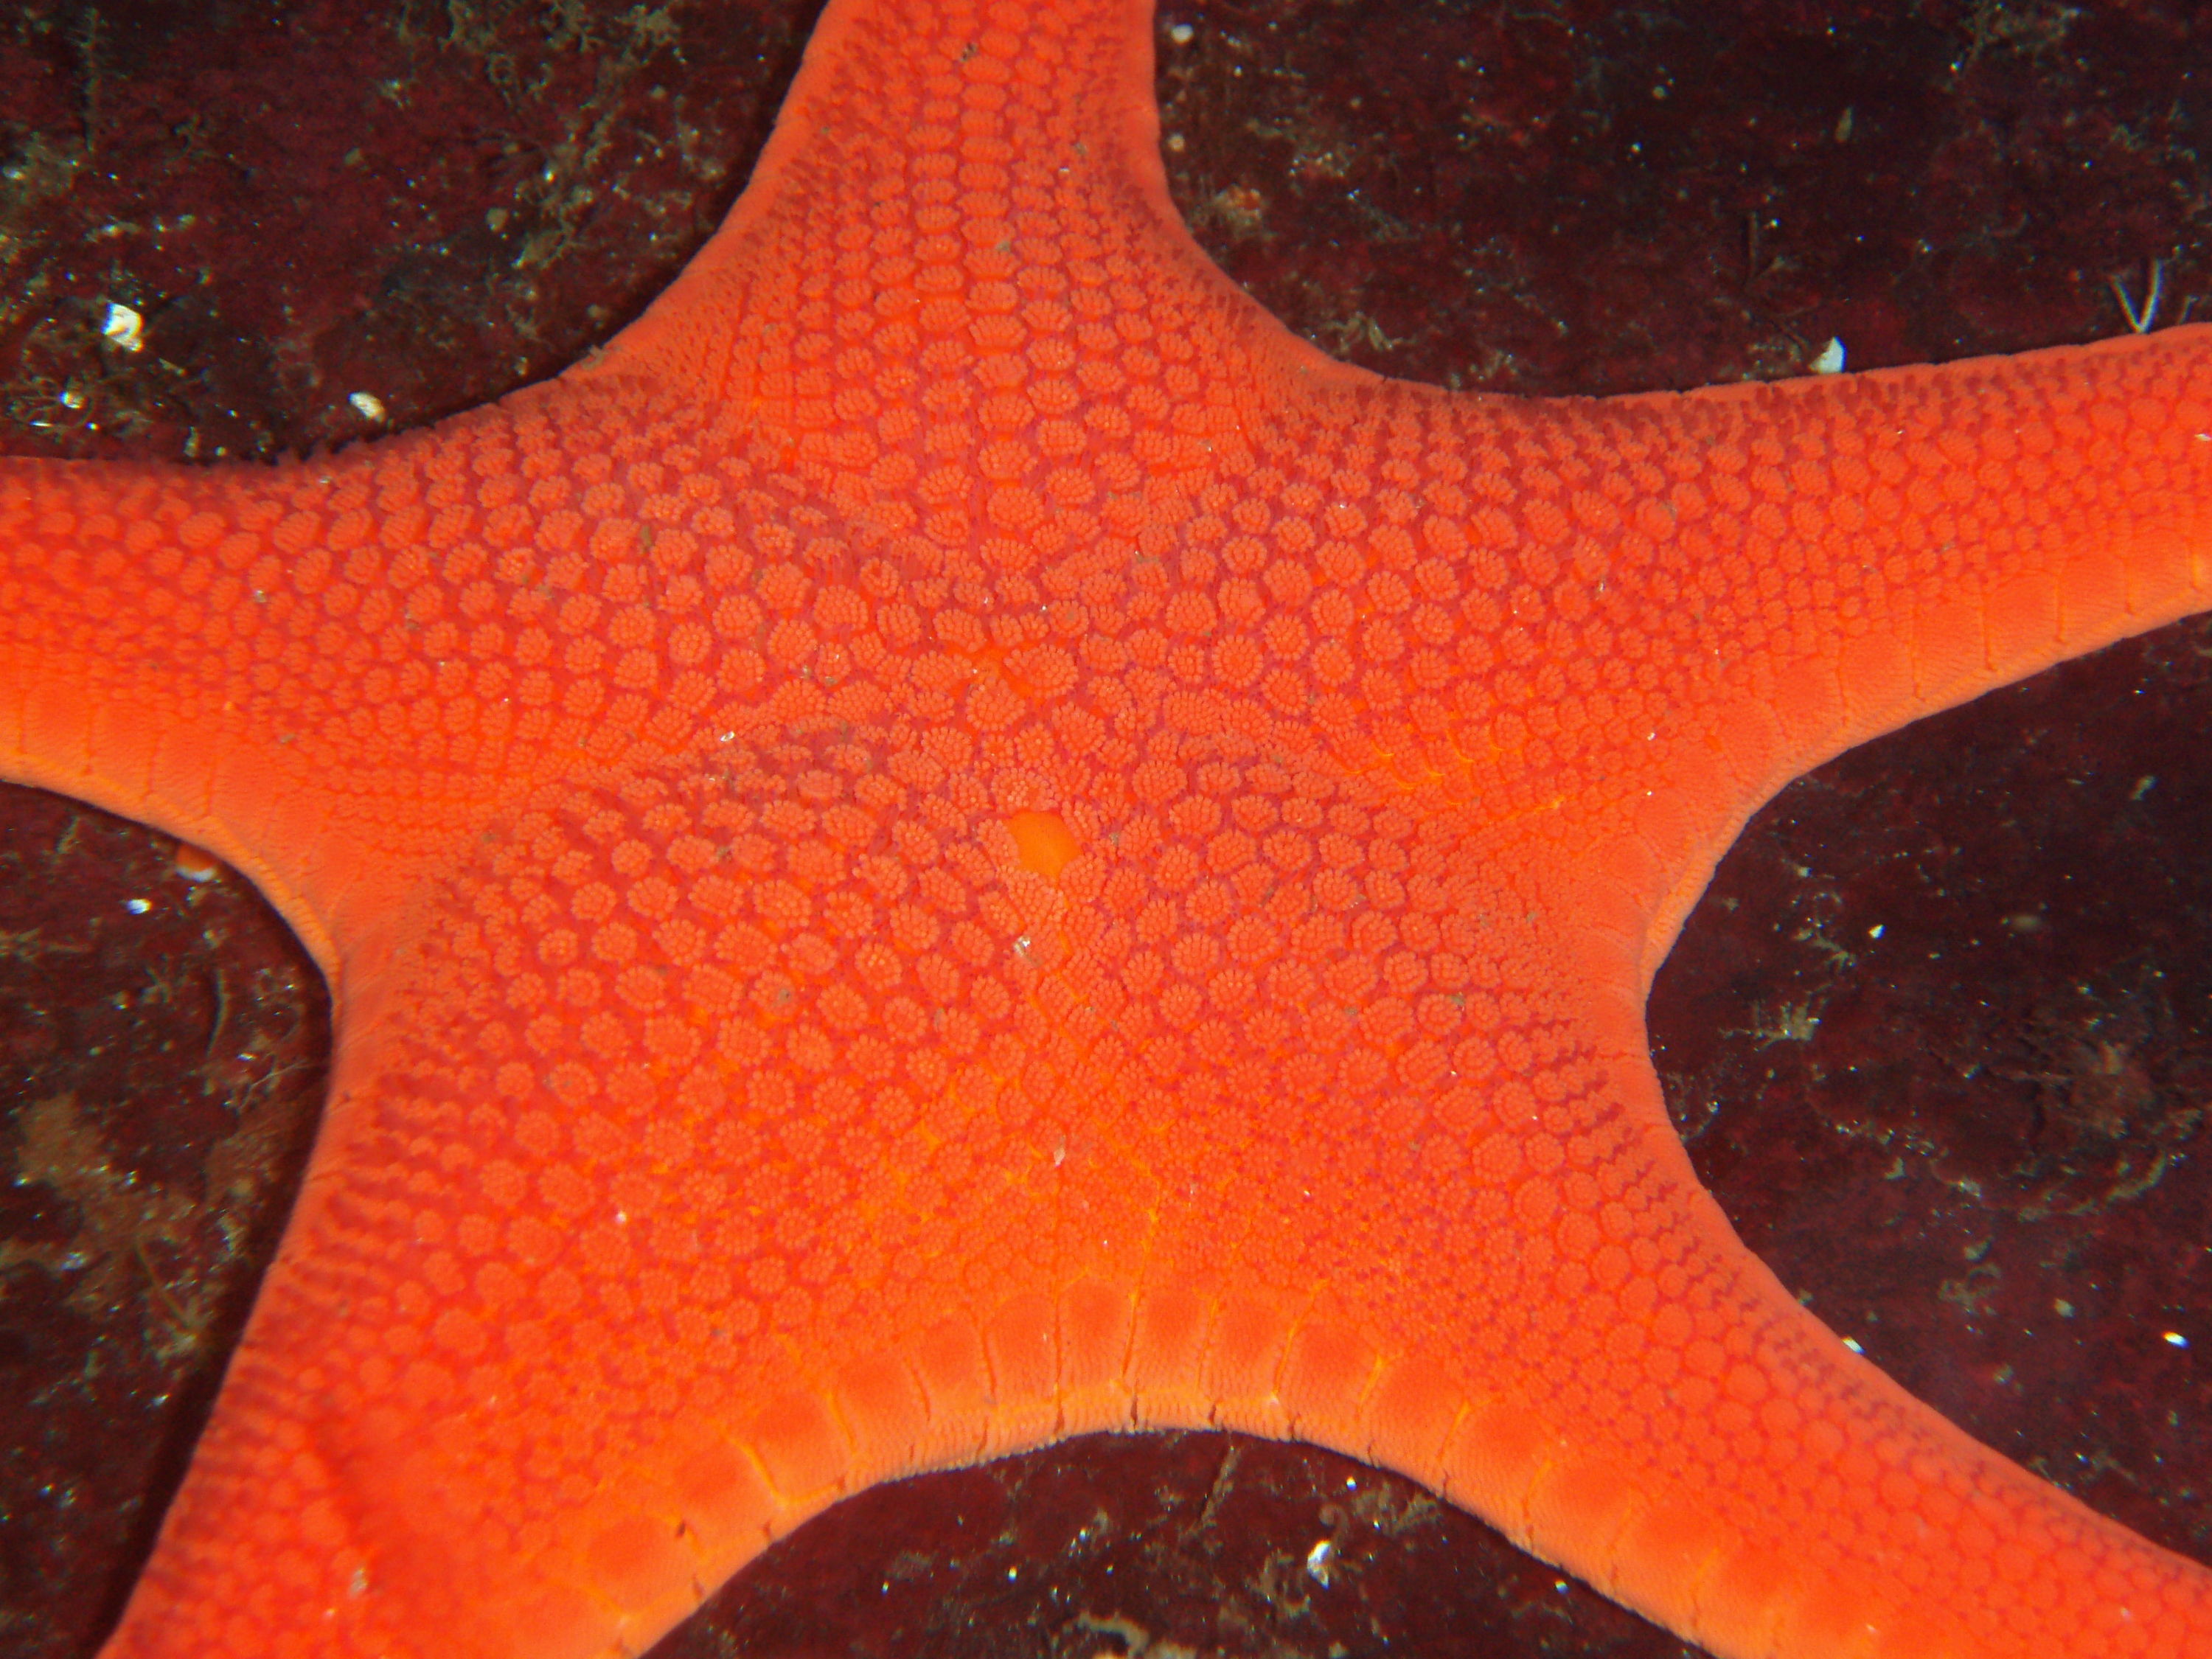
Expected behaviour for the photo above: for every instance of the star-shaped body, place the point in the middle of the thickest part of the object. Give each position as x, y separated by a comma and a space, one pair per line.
958, 840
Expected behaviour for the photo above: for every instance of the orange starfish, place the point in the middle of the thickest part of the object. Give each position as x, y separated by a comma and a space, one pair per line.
957, 840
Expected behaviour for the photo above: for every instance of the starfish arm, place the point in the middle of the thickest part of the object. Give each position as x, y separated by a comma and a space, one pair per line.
1667, 1422
206, 649
134, 628
507, 1393
939, 150
1854, 553
1620, 626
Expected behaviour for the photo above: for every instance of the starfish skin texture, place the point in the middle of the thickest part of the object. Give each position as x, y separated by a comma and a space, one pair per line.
1987, 1068
2043, 1336
1373, 1335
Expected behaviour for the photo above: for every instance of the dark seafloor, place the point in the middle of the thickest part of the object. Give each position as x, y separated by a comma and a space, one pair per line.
1940, 1034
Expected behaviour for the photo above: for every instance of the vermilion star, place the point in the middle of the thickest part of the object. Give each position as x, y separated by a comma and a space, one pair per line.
1372, 1338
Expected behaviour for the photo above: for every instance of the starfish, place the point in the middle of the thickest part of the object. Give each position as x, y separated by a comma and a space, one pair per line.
1337, 1339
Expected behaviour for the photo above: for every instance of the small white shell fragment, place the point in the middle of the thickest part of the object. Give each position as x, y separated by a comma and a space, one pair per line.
1830, 360
122, 327
1319, 1560
368, 406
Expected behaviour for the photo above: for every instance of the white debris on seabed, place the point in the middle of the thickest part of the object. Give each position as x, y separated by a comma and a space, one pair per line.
1319, 1559
1830, 360
124, 328
368, 406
